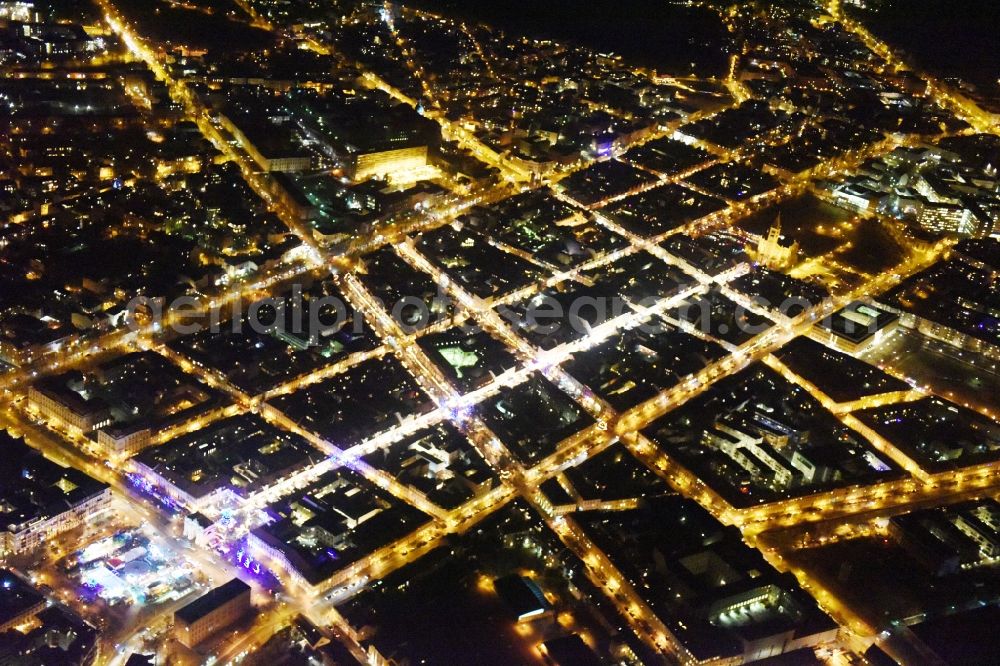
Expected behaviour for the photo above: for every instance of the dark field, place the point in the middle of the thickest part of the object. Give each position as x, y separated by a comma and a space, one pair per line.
948, 38
648, 32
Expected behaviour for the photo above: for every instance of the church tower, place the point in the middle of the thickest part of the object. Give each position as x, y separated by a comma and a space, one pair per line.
772, 254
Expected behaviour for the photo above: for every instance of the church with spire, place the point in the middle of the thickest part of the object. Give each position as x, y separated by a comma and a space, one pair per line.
773, 252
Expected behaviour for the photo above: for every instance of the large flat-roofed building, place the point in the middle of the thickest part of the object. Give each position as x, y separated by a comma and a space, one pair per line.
316, 534
569, 651
232, 458
39, 499
948, 539
948, 218
63, 398
121, 403
123, 441
390, 164
270, 145
857, 327
212, 612
855, 197
291, 195
769, 618
523, 597
373, 136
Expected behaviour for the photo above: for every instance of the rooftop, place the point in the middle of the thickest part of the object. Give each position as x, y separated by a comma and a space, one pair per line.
211, 601
36, 488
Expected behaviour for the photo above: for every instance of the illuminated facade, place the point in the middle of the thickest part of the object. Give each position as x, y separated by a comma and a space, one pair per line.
401, 164
119, 442
40, 500
948, 218
856, 328
270, 154
212, 612
67, 407
18, 11
772, 253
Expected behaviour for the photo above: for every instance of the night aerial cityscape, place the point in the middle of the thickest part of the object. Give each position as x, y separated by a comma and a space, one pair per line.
499, 332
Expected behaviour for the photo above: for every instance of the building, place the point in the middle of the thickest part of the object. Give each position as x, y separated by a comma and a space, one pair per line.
770, 618
34, 632
118, 442
198, 528
58, 398
230, 460
40, 500
772, 253
19, 602
57, 636
754, 455
523, 597
856, 328
141, 660
17, 10
315, 536
948, 218
143, 393
953, 301
856, 197
965, 637
935, 548
396, 165
301, 642
948, 539
290, 196
212, 612
569, 651
270, 145
373, 136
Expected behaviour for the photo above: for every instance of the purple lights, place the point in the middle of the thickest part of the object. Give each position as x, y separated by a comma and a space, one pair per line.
153, 493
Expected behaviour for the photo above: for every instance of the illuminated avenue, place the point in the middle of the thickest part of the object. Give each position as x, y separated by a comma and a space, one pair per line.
355, 332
